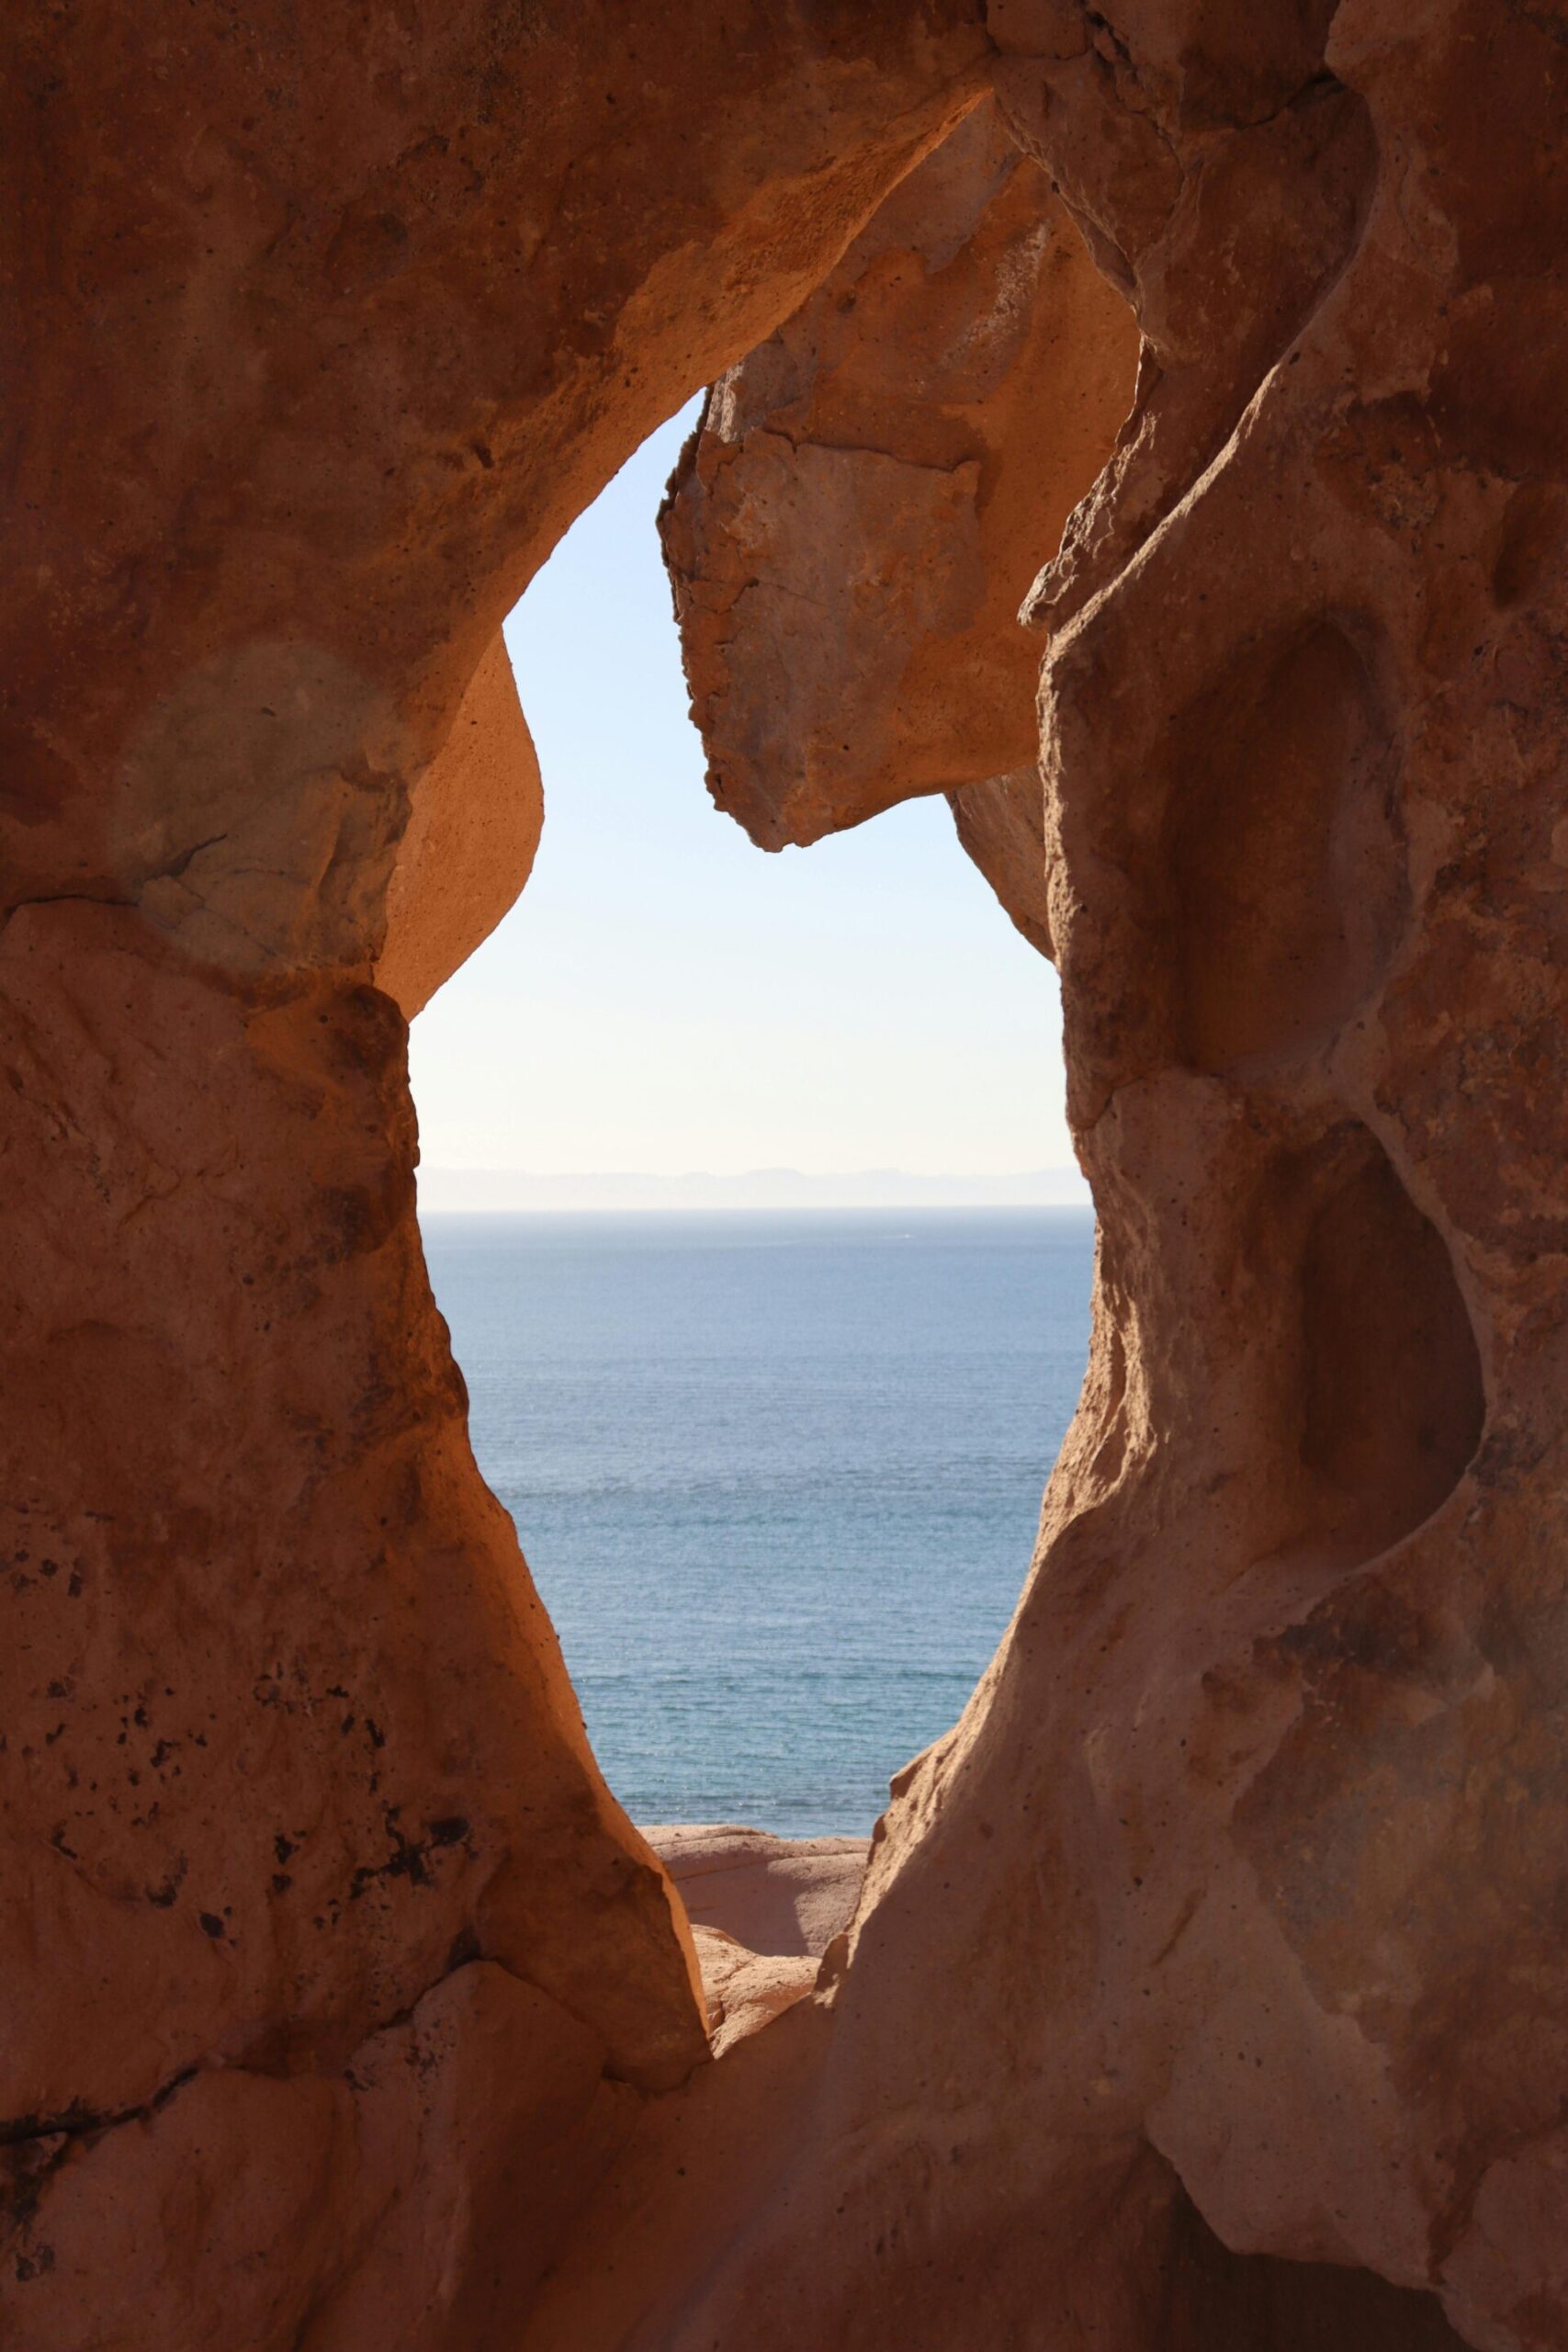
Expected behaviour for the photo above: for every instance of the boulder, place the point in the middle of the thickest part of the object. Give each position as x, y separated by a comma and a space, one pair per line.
785, 1895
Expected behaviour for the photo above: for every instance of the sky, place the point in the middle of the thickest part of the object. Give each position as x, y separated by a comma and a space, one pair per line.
664, 997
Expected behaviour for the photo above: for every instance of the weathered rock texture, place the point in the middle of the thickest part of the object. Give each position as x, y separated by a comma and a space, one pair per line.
788, 1896
1208, 1987
764, 1911
1247, 1852
866, 503
474, 820
319, 1927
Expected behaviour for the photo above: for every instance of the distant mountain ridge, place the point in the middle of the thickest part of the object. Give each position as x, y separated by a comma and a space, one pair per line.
756, 1188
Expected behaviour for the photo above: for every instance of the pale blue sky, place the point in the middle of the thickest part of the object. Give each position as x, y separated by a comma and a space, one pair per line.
666, 997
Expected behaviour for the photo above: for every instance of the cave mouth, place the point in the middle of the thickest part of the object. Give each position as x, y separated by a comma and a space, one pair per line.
776, 1468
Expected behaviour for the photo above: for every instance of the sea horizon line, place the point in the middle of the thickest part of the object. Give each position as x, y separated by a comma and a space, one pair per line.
475, 1189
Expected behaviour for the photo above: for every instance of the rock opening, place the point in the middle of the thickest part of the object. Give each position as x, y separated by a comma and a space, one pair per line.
347, 2009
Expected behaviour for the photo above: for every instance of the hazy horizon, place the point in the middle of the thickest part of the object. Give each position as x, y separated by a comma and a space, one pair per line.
448, 1190
667, 997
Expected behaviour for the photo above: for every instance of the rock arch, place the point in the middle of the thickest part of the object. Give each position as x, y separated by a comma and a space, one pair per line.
1222, 1934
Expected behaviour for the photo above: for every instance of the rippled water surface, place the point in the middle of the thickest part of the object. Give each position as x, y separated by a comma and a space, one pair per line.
777, 1475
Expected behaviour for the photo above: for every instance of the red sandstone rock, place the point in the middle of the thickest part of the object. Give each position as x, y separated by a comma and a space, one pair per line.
473, 829
789, 1895
696, 2170
855, 523
763, 1910
1207, 1987
746, 1990
325, 326
1001, 823
1255, 1816
415, 2197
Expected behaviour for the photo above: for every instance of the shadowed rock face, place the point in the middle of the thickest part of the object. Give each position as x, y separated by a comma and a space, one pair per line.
319, 1927
1207, 1986
1240, 1932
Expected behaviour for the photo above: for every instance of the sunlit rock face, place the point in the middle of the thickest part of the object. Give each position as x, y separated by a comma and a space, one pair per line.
1207, 1985
764, 1911
866, 502
474, 820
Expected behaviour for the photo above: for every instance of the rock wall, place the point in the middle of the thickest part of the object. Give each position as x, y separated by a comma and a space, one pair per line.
1207, 1986
1204, 1981
333, 1969
862, 510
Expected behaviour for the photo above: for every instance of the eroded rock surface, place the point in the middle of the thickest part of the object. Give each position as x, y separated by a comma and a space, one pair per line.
473, 828
764, 1911
1256, 1814
1207, 1983
321, 327
864, 503
788, 1896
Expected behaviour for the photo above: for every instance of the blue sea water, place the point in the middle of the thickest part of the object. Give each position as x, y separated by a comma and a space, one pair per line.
777, 1475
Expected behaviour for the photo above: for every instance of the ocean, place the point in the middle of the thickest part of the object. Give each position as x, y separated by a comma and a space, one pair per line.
777, 1475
